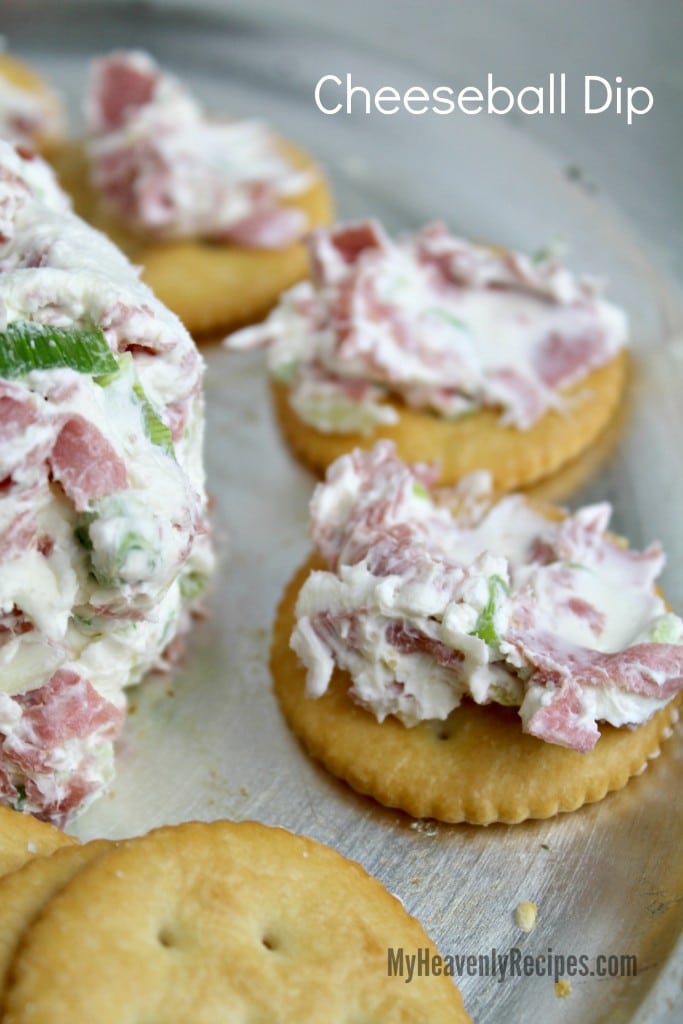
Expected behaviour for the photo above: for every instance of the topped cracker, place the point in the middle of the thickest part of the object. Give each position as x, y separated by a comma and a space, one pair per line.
30, 111
474, 356
477, 766
213, 210
426, 610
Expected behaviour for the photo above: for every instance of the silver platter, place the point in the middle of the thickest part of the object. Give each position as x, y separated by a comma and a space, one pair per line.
211, 741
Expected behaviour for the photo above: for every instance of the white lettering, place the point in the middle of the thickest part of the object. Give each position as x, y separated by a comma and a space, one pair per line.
318, 89
632, 108
532, 90
351, 90
388, 94
416, 93
443, 95
492, 92
470, 94
588, 94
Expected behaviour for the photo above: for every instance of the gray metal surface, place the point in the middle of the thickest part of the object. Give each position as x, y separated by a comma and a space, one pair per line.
211, 742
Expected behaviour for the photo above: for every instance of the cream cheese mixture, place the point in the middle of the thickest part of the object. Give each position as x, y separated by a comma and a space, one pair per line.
104, 541
424, 605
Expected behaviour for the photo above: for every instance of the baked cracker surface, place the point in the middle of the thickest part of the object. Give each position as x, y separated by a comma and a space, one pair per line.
23, 837
25, 892
213, 287
514, 457
477, 766
212, 922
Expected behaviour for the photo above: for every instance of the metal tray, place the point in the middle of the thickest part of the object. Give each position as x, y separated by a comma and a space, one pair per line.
210, 742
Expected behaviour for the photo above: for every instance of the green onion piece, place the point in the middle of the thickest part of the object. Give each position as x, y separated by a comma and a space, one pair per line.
109, 567
192, 585
419, 491
124, 363
542, 255
26, 346
286, 372
156, 431
82, 530
449, 317
485, 628
666, 630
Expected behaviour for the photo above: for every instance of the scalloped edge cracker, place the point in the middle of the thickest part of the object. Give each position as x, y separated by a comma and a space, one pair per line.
25, 892
223, 921
477, 766
23, 837
213, 287
515, 457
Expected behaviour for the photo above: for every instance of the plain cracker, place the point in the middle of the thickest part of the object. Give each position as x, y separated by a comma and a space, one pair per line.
476, 441
213, 287
24, 893
23, 837
209, 922
477, 766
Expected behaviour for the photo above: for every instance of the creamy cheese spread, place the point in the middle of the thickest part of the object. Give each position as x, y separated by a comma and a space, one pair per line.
424, 605
171, 172
26, 114
103, 530
435, 322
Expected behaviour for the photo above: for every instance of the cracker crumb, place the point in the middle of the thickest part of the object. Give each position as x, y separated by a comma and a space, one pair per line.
425, 827
525, 916
563, 988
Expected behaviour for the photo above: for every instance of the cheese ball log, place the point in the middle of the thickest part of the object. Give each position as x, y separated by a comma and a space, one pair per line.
103, 529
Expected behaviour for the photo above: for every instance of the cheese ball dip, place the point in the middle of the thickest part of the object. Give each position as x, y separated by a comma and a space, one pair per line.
30, 112
498, 602
169, 171
103, 529
468, 355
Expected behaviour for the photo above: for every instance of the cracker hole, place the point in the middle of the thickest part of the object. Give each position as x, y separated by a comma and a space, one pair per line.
440, 731
166, 938
270, 941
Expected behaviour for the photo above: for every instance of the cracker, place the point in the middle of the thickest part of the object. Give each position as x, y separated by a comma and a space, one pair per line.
476, 441
213, 287
477, 766
208, 922
23, 837
25, 892
24, 77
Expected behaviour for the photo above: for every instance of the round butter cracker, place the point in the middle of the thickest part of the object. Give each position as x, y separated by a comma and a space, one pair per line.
23, 837
24, 77
213, 287
208, 922
24, 893
477, 766
514, 457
